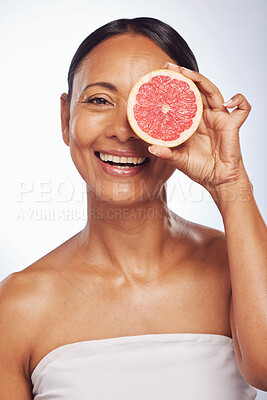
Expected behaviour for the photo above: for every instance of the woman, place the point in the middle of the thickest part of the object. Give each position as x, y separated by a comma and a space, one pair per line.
142, 304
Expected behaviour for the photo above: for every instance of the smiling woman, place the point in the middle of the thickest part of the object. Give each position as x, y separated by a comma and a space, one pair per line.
99, 124
142, 303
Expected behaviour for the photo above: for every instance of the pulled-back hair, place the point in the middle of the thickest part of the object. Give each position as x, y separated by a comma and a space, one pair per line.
161, 33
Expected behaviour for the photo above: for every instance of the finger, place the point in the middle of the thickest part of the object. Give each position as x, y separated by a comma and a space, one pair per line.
171, 66
242, 110
161, 151
213, 95
172, 156
205, 101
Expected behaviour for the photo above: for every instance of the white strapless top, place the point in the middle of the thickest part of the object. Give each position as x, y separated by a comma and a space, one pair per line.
172, 366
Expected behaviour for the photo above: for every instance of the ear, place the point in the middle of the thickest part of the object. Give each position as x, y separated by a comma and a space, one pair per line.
65, 117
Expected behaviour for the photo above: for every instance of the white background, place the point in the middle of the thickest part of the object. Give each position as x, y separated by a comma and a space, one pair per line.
42, 194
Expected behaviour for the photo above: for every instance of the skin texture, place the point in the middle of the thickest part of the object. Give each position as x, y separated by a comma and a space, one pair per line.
150, 271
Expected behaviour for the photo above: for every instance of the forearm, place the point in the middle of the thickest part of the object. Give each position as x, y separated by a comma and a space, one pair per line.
246, 237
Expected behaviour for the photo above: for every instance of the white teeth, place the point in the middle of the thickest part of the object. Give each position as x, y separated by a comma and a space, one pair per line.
121, 160
115, 158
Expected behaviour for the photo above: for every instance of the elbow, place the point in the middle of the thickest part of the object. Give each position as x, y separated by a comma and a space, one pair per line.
259, 383
255, 373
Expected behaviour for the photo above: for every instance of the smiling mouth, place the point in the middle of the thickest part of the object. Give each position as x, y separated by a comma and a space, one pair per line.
122, 162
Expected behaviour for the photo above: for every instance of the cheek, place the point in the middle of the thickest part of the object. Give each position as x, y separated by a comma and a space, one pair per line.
85, 129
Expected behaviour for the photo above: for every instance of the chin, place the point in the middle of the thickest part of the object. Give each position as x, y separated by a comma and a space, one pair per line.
126, 201
123, 195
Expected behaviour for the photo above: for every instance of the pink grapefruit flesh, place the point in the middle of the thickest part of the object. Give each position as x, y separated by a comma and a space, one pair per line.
164, 108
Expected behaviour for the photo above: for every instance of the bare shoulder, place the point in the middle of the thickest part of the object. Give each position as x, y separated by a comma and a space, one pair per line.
207, 248
32, 289
22, 294
212, 244
207, 242
22, 299
29, 290
22, 287
27, 294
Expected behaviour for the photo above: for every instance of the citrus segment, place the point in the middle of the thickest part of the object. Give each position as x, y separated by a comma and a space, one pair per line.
164, 108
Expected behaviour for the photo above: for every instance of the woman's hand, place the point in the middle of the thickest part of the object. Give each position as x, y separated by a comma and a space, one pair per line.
211, 156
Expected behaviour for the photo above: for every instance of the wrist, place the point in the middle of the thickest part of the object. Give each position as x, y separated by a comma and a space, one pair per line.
236, 190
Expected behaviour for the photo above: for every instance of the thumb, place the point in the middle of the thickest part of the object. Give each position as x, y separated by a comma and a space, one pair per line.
160, 151
172, 156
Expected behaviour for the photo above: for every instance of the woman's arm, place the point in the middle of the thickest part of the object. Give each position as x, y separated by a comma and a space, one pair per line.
246, 237
14, 342
212, 157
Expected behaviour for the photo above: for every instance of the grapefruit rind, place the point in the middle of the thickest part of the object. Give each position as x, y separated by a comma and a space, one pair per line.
187, 133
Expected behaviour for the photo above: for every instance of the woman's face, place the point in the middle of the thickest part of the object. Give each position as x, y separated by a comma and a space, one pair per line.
96, 123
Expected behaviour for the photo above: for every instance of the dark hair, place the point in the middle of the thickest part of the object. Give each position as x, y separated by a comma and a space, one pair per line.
161, 33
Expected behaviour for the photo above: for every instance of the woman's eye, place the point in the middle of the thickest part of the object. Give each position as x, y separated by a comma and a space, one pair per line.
98, 100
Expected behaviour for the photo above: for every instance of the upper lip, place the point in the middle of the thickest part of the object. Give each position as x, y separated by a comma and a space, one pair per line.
122, 153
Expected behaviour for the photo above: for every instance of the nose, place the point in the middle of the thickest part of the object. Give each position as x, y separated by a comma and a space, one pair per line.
119, 127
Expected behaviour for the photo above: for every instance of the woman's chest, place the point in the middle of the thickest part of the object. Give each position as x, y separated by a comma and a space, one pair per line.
185, 303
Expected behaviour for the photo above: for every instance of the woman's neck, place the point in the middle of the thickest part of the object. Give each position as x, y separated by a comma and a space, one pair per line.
131, 240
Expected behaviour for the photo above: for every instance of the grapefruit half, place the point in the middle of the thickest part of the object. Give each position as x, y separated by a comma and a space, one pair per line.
164, 108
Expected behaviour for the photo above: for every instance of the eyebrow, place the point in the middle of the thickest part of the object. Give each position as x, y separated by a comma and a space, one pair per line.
105, 85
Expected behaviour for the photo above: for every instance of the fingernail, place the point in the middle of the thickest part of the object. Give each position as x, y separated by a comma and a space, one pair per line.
169, 64
151, 150
227, 103
186, 69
